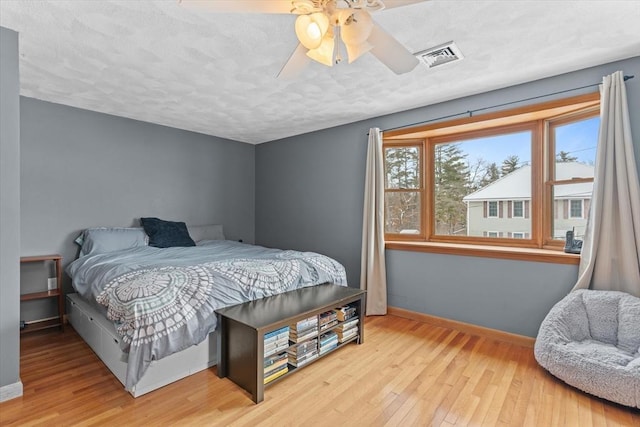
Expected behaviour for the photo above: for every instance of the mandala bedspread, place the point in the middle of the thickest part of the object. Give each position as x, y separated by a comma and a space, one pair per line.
161, 310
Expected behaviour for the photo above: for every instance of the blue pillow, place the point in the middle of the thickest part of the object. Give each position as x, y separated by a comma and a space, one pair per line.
108, 239
166, 234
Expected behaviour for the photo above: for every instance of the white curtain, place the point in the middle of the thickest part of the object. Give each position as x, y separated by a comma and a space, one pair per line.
610, 258
373, 274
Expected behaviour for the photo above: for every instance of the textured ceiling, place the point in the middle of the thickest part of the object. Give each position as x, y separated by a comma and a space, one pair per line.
216, 73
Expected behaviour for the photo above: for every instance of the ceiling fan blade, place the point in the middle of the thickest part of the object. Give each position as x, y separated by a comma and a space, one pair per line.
297, 62
388, 4
390, 52
240, 6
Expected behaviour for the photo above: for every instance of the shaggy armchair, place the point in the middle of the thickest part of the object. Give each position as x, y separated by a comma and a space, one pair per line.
591, 340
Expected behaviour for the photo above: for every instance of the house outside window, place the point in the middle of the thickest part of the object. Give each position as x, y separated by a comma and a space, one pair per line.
526, 175
575, 209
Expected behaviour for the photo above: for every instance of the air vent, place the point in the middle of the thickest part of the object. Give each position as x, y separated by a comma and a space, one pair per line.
440, 55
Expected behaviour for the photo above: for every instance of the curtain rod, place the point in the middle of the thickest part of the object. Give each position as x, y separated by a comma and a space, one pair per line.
470, 112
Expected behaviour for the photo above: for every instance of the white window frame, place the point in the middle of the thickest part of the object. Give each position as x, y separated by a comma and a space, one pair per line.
513, 209
571, 208
489, 209
521, 235
497, 234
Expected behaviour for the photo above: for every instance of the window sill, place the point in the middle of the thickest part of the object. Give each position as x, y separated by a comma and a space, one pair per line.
485, 251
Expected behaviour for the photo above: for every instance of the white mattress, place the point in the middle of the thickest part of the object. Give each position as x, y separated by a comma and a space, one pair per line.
99, 333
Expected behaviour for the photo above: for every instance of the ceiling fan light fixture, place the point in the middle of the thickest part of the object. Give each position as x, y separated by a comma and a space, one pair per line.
305, 7
310, 29
355, 51
355, 29
324, 53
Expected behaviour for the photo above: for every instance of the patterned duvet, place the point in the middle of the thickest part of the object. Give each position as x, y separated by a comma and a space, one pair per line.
163, 300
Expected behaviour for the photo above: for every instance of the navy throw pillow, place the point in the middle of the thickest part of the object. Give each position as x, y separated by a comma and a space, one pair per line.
166, 234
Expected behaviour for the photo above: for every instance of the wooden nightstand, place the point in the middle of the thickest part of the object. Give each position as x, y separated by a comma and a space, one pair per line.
55, 293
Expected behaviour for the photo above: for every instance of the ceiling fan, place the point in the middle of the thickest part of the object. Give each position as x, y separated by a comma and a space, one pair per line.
321, 26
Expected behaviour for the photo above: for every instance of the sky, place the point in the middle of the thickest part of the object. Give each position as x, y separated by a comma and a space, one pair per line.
579, 139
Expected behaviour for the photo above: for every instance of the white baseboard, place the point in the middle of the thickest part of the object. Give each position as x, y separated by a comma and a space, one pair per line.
11, 391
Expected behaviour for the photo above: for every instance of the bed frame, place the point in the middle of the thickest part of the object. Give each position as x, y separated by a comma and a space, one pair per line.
100, 334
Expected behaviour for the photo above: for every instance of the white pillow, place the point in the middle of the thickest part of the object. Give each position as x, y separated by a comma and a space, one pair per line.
205, 232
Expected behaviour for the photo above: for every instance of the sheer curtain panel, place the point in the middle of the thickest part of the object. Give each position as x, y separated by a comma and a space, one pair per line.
373, 274
610, 258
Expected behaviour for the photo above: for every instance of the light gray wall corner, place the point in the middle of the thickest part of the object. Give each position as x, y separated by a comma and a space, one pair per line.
309, 196
9, 214
85, 169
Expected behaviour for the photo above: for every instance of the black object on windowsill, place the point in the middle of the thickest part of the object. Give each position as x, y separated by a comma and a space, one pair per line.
571, 245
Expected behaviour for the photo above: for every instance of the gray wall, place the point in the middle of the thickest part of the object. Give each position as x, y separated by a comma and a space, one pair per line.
83, 169
309, 195
9, 208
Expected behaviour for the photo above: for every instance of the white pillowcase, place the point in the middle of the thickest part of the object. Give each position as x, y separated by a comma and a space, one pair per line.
206, 232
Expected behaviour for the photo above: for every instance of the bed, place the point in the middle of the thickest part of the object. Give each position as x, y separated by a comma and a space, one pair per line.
149, 312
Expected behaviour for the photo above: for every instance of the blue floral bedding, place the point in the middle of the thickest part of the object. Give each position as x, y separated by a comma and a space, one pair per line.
163, 300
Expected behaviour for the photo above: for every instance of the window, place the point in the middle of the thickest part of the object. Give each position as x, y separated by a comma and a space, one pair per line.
403, 190
572, 138
575, 209
518, 209
525, 174
493, 210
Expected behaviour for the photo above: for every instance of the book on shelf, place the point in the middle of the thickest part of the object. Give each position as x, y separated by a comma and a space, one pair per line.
332, 343
347, 324
328, 325
345, 313
329, 336
275, 367
304, 324
276, 374
326, 348
275, 371
280, 337
303, 348
274, 351
276, 347
299, 337
348, 334
326, 317
277, 343
279, 331
270, 360
300, 361
327, 342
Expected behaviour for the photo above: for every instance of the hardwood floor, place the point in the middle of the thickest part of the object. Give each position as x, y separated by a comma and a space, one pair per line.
407, 373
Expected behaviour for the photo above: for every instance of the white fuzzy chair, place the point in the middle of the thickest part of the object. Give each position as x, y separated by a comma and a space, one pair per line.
591, 340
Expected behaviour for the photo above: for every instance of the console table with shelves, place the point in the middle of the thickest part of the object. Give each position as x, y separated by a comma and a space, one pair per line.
54, 293
242, 330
